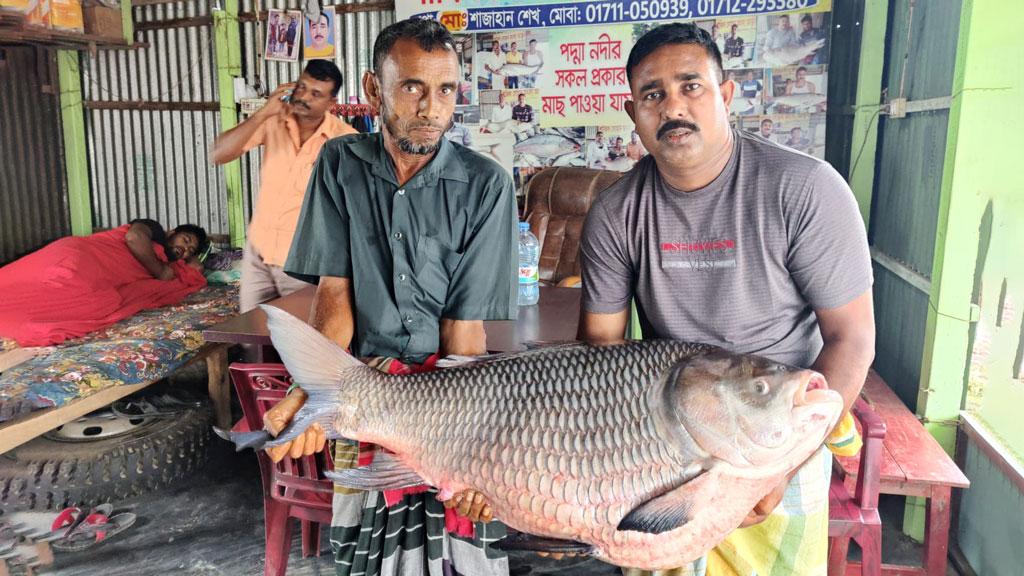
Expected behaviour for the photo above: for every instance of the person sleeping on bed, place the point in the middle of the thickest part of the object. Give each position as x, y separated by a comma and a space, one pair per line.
76, 285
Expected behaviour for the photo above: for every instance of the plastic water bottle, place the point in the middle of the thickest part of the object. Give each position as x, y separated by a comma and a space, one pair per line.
529, 258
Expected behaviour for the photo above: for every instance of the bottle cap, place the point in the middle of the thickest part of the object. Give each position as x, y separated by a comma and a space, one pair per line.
524, 226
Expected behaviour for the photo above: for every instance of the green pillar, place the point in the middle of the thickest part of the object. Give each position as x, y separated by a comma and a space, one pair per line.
229, 65
76, 161
127, 23
867, 103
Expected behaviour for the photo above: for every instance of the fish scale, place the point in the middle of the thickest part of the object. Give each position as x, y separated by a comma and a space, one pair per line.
599, 445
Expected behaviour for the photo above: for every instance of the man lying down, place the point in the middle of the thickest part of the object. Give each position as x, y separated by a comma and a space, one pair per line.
76, 285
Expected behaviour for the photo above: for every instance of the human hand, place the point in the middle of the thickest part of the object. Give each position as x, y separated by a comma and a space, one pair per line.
277, 419
195, 264
275, 104
167, 273
767, 504
470, 504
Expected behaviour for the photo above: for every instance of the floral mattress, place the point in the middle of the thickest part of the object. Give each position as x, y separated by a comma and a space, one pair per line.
146, 347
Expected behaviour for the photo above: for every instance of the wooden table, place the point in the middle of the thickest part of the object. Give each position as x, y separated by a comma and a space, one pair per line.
912, 464
553, 319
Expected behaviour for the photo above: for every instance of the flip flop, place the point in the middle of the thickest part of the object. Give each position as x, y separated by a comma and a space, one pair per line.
97, 527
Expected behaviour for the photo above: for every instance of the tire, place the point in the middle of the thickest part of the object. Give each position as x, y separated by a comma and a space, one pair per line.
141, 455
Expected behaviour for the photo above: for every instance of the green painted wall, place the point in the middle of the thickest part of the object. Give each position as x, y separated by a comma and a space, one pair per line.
981, 260
975, 334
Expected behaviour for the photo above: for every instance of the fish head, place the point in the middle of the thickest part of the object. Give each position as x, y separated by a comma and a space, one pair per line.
752, 412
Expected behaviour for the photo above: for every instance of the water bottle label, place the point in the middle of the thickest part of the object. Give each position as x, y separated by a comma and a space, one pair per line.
528, 274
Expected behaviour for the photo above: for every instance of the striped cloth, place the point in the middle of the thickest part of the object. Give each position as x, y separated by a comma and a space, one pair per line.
409, 537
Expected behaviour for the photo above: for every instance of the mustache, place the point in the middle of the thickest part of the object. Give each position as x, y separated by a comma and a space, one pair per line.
415, 125
300, 103
675, 125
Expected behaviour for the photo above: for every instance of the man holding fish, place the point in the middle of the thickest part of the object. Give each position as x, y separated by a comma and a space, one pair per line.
412, 241
723, 237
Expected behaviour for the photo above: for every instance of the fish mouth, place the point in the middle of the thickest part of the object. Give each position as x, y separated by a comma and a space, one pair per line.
812, 389
814, 399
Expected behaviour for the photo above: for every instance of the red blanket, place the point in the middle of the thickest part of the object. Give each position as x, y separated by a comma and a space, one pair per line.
80, 284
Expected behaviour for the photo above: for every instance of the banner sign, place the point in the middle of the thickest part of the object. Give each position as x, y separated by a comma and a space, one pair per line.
493, 15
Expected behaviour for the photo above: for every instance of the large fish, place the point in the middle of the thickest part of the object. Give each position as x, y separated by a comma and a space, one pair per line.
798, 101
518, 69
644, 454
547, 145
790, 54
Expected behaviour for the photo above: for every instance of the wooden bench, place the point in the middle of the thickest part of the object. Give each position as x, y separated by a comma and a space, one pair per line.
912, 464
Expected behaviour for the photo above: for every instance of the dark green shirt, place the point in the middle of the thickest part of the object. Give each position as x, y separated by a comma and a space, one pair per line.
444, 245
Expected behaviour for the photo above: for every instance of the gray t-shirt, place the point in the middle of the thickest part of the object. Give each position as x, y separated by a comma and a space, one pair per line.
741, 263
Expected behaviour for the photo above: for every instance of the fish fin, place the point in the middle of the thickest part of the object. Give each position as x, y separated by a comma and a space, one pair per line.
666, 512
386, 472
528, 542
454, 360
243, 440
313, 360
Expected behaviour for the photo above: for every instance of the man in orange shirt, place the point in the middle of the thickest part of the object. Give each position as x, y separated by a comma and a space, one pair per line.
292, 127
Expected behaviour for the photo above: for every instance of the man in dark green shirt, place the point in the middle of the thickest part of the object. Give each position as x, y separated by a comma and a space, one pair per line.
439, 246
412, 240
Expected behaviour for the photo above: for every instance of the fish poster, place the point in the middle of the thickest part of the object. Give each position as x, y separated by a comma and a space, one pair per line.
545, 80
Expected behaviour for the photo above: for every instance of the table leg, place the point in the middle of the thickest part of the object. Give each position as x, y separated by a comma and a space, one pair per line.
217, 384
936, 531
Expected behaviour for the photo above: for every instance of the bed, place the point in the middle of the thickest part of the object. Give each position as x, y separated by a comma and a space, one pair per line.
88, 373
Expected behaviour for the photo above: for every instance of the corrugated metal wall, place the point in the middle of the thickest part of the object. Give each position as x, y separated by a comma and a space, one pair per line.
33, 200
354, 34
151, 116
152, 113
920, 56
843, 67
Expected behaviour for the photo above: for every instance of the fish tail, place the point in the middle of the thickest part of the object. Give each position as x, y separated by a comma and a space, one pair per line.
243, 440
314, 361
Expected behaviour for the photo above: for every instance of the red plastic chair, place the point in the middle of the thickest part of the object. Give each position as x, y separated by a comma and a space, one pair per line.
291, 488
856, 516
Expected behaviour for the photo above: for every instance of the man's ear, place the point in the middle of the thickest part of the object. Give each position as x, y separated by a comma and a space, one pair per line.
371, 87
630, 110
728, 89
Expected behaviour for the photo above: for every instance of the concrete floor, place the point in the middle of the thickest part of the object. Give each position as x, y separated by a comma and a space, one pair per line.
212, 525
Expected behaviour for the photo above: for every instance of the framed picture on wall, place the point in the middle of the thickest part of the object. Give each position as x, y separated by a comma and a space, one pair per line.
318, 40
284, 31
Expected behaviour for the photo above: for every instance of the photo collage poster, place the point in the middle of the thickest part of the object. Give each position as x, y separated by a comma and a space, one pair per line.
553, 94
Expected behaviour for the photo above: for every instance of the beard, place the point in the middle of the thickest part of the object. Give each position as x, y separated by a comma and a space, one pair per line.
405, 144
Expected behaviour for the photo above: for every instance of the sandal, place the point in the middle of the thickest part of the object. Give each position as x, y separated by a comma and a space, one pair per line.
98, 526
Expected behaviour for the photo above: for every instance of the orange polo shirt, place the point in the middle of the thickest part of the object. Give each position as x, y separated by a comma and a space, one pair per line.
287, 164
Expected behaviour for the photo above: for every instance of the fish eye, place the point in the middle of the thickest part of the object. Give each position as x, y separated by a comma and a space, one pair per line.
761, 387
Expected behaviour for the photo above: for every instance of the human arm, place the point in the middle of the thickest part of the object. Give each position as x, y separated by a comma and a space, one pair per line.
233, 143
139, 239
830, 262
848, 333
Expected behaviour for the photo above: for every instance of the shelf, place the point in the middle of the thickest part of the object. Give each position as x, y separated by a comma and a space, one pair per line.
13, 30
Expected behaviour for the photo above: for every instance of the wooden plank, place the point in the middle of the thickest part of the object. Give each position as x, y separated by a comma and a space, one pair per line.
147, 105
854, 569
21, 430
191, 22
919, 455
373, 6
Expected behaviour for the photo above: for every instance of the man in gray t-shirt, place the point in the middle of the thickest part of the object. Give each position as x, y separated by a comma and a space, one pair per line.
727, 238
